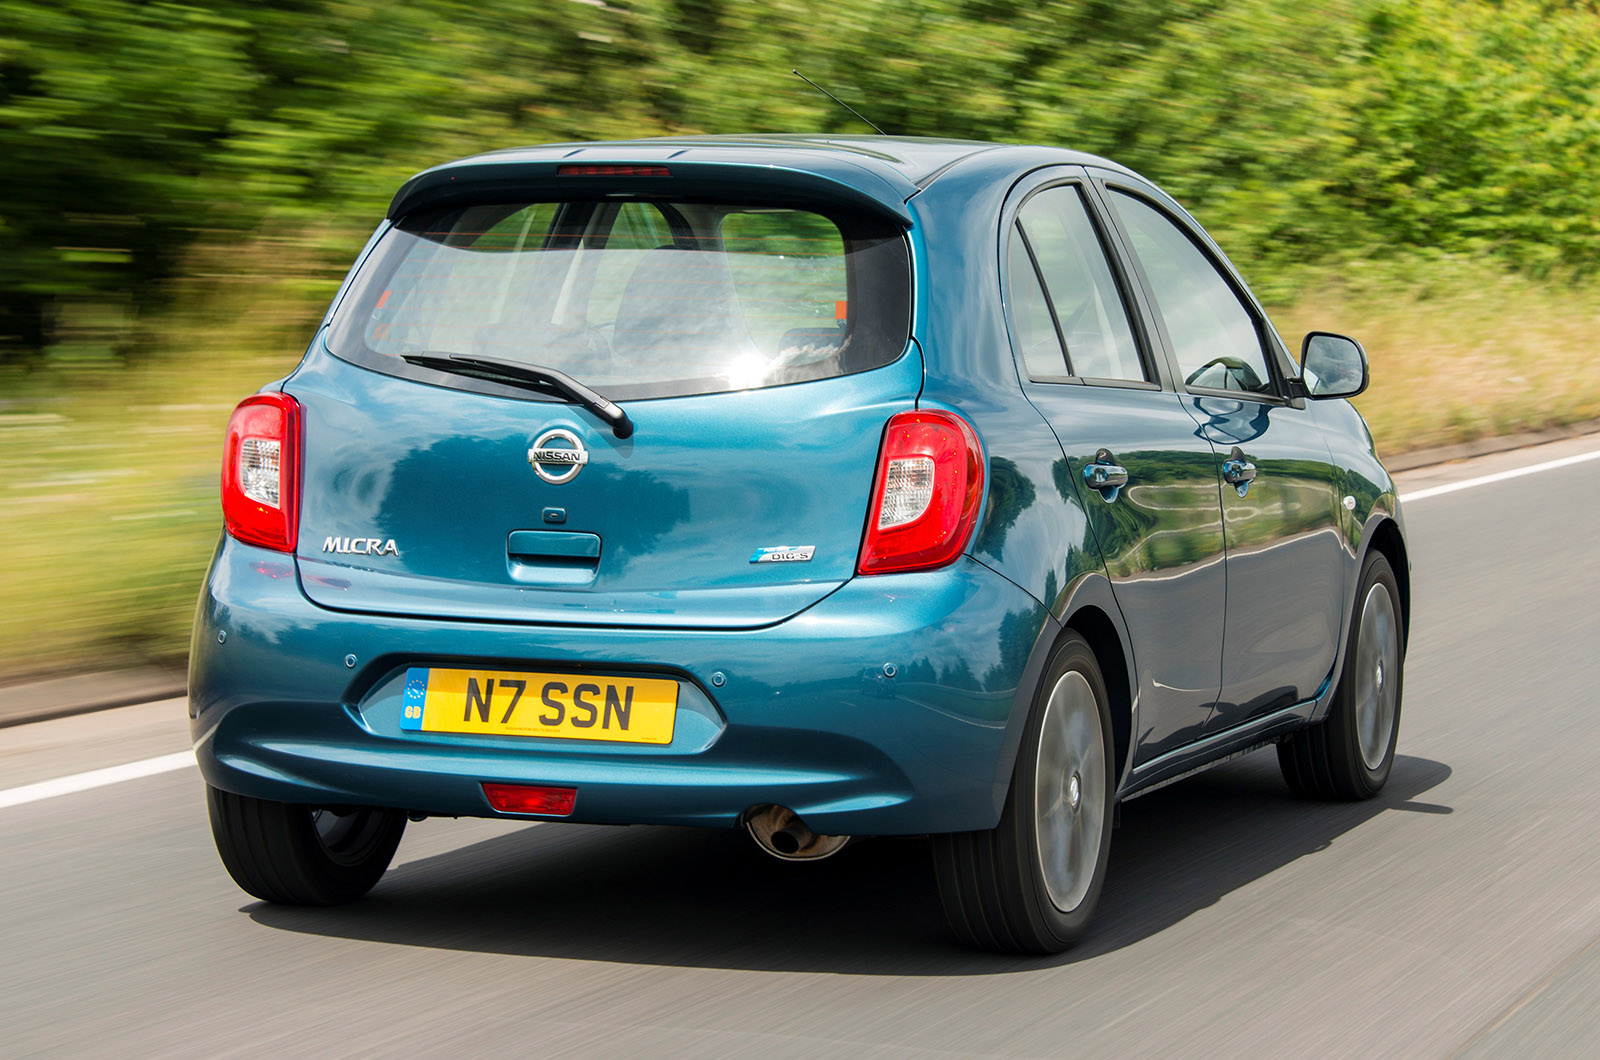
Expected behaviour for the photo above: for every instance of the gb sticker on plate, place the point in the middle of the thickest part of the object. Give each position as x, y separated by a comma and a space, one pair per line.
784, 554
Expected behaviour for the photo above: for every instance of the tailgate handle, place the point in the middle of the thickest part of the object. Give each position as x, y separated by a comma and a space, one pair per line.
553, 544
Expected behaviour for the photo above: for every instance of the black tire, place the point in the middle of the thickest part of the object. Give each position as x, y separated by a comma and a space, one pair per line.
1348, 755
300, 855
999, 891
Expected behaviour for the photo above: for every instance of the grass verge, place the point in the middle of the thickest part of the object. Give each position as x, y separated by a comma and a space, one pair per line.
1459, 351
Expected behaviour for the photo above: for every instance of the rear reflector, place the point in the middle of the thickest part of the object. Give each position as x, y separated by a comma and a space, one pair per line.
261, 472
925, 497
612, 171
531, 798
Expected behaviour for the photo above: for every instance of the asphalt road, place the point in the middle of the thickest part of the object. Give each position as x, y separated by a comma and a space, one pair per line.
1456, 915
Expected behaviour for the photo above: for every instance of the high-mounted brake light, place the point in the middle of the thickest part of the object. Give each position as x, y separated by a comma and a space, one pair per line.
574, 170
926, 493
261, 472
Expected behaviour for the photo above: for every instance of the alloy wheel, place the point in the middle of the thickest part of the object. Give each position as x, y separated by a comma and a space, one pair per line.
1070, 791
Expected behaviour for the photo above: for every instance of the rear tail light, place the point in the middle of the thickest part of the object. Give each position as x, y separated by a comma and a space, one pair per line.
261, 472
925, 497
531, 798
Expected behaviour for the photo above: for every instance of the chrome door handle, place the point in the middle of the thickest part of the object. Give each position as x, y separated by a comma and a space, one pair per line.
1105, 474
1238, 471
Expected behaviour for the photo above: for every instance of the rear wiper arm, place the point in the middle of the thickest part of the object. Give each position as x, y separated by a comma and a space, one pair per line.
529, 377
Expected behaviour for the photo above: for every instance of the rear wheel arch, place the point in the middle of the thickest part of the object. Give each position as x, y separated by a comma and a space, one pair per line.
1030, 884
1088, 609
1096, 627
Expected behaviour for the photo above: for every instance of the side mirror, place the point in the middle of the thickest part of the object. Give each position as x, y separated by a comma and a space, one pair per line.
1332, 366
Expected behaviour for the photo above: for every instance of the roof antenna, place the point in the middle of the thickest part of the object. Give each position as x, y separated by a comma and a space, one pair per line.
839, 101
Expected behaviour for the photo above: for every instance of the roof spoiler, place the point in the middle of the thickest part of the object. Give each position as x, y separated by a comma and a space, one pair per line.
851, 187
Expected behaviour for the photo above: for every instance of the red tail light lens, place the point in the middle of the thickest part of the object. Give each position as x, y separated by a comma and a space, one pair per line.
261, 472
531, 798
925, 497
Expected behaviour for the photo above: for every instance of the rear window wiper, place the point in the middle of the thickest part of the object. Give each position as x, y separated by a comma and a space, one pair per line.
529, 377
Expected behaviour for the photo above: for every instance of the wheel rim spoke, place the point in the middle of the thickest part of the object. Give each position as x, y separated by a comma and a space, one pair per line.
1377, 675
1071, 746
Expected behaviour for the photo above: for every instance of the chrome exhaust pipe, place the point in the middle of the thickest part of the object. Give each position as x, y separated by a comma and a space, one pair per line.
779, 832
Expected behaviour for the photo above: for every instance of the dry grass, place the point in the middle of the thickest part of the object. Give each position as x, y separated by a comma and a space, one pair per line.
108, 474
109, 503
1472, 353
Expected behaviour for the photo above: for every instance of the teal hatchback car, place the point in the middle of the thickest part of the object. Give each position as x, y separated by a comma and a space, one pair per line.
820, 487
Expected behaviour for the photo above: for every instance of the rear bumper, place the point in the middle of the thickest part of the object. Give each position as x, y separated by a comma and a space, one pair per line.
806, 716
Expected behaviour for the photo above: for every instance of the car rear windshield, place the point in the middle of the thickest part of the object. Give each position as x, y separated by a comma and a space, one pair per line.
638, 299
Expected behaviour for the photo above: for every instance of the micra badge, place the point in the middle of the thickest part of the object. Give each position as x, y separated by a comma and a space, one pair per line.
360, 546
784, 554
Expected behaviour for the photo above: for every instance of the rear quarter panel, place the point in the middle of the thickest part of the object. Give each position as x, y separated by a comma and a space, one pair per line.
1033, 529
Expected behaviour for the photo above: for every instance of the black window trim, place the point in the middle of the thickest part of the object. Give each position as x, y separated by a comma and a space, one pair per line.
1271, 351
1144, 346
1021, 233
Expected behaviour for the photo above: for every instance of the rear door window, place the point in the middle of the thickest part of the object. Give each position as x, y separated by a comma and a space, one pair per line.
1085, 303
640, 299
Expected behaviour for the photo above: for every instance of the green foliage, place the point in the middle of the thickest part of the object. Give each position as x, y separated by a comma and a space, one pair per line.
1479, 129
108, 111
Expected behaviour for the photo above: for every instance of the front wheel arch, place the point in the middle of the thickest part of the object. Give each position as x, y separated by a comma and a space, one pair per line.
1387, 539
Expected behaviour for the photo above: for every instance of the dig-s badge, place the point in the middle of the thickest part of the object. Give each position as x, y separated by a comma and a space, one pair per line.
784, 554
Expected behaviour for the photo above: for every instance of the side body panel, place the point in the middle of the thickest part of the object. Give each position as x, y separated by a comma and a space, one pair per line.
1031, 530
1285, 575
1162, 540
1161, 535
1374, 512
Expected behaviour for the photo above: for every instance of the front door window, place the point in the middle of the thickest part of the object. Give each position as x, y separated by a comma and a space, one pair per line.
1212, 332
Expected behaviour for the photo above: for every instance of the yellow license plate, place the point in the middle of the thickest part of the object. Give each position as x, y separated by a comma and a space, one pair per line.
565, 706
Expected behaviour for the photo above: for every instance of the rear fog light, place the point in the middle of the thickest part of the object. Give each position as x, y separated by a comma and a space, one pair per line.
531, 798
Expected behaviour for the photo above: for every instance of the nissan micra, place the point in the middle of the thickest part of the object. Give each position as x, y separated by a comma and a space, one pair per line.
821, 487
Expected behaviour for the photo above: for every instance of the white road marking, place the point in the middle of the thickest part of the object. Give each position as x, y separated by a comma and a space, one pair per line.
95, 778
1499, 476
